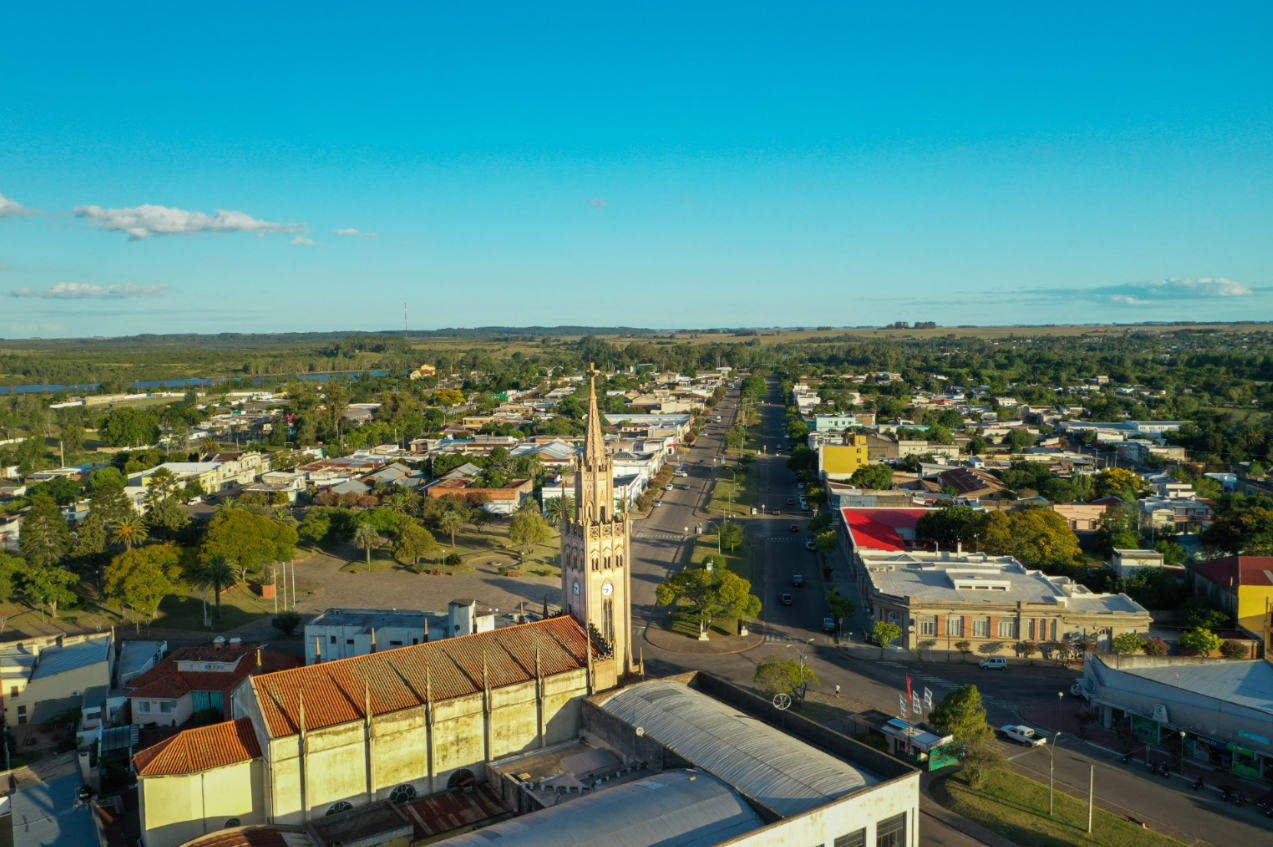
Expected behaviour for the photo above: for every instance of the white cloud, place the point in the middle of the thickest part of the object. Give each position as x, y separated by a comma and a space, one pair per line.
145, 221
353, 232
12, 208
1144, 293
303, 242
597, 203
86, 290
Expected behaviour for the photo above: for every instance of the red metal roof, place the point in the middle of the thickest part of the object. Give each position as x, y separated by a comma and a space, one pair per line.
442, 813
165, 681
396, 679
877, 529
1237, 571
200, 749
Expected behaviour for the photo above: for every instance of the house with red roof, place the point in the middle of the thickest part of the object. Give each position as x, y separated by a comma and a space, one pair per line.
1241, 585
199, 678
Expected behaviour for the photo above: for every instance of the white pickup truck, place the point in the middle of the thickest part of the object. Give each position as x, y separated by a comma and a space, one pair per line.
1023, 735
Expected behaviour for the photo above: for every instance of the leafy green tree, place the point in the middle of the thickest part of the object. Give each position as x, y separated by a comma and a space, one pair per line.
951, 525
412, 543
1242, 530
72, 436
91, 540
63, 490
1037, 538
1200, 642
784, 676
126, 426
108, 500
250, 541
731, 535
875, 477
215, 574
142, 578
819, 523
841, 607
45, 537
48, 586
286, 622
164, 513
1155, 647
11, 570
884, 633
962, 714
1199, 613
316, 526
735, 436
816, 496
368, 538
708, 595
824, 542
529, 528
1126, 643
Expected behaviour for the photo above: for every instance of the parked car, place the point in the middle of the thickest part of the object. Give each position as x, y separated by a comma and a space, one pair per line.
791, 501
668, 487
682, 472
777, 511
809, 545
828, 625
995, 663
797, 580
794, 528
1023, 735
658, 501
800, 485
683, 487
786, 600
804, 505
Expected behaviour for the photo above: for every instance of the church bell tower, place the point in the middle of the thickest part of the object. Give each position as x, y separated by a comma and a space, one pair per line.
596, 550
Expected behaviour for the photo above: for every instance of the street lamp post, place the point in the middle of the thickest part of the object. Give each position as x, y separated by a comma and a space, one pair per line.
804, 654
1052, 768
1182, 752
1060, 698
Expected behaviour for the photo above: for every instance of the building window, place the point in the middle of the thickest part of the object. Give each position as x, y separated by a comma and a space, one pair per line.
337, 808
955, 626
165, 707
853, 839
22, 714
891, 832
333, 639
1032, 638
144, 706
233, 822
402, 794
1054, 629
13, 692
349, 641
1008, 628
927, 626
395, 643
981, 627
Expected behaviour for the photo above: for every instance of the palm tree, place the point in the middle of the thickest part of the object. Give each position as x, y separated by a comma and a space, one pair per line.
130, 529
399, 502
449, 522
366, 537
217, 573
558, 509
209, 447
226, 504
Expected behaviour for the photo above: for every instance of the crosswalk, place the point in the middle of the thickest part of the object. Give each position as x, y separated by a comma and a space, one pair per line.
779, 637
655, 535
787, 539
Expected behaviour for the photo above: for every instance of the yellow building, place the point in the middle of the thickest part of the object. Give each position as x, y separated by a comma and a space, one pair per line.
1241, 585
45, 676
838, 462
423, 372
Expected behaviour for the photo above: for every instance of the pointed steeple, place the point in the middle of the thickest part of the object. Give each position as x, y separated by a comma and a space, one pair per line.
594, 450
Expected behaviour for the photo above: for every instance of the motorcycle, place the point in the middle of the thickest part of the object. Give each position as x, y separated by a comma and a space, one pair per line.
1198, 783
1238, 799
1226, 793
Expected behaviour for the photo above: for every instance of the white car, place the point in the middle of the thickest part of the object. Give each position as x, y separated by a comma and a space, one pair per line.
1023, 735
668, 487
658, 502
995, 663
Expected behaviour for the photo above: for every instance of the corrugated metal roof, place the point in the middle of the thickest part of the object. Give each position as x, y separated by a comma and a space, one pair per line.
44, 813
1247, 684
334, 691
55, 660
765, 764
672, 809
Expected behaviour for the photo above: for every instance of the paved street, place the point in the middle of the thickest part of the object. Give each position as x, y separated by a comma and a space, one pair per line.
660, 545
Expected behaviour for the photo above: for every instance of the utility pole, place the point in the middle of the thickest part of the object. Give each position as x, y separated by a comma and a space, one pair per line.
1091, 792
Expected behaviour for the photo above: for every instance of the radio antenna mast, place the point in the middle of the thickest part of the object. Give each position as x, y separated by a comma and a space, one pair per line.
404, 320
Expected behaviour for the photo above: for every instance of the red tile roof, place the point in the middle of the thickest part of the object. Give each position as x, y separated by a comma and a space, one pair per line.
333, 691
257, 836
1237, 571
165, 681
877, 529
201, 749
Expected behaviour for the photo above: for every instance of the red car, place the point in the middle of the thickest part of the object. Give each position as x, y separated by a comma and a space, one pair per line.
794, 528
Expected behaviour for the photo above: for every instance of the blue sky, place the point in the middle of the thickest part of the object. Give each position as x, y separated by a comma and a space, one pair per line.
171, 168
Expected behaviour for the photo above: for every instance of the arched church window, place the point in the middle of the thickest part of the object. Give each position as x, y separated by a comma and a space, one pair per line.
338, 807
402, 794
607, 561
595, 563
618, 560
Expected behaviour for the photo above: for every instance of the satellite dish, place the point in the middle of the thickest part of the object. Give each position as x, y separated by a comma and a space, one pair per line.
782, 702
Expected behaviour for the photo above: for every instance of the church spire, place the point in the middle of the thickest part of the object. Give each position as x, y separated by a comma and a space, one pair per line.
594, 450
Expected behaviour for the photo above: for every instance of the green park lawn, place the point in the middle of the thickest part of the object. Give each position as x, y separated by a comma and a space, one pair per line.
1017, 808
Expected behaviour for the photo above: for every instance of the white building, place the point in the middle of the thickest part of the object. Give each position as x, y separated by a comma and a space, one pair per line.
1127, 562
344, 633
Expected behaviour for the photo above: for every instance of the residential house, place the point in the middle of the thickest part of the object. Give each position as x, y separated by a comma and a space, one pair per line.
45, 676
505, 500
1241, 585
345, 633
199, 678
971, 484
993, 602
1125, 563
1082, 517
1177, 513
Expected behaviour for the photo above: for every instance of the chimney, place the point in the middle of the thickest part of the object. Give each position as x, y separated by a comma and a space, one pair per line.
235, 642
318, 650
218, 642
426, 629
373, 639
258, 658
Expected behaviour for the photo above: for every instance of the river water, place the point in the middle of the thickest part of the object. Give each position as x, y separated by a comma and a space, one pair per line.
192, 382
